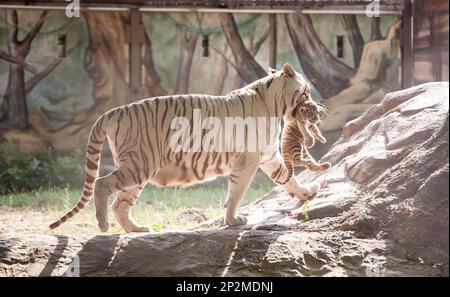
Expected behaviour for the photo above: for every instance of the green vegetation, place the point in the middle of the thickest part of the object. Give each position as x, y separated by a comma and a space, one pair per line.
305, 210
157, 207
49, 184
20, 173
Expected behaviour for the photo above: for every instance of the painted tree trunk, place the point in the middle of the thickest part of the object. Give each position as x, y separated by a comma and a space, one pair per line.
246, 65
220, 81
328, 75
354, 36
152, 78
187, 49
16, 100
16, 92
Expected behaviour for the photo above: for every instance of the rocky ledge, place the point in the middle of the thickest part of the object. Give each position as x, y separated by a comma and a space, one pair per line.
383, 211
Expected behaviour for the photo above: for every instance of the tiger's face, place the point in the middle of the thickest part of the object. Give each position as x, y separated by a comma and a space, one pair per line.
293, 86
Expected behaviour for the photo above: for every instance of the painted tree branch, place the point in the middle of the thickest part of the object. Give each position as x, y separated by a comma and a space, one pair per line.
325, 71
11, 59
13, 29
224, 56
247, 66
354, 36
32, 82
220, 80
26, 42
254, 49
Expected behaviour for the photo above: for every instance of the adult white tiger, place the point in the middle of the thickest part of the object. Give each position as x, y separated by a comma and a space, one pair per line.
139, 136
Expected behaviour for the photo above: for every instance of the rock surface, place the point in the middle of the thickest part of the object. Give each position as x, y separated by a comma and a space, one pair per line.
383, 212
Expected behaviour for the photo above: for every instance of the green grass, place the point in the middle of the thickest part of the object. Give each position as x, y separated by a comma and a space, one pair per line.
156, 206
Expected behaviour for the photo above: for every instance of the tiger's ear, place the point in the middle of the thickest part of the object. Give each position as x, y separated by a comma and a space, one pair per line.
270, 70
288, 70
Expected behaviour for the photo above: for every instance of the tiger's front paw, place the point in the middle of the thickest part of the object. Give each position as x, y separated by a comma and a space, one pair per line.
103, 226
303, 194
314, 188
307, 192
236, 221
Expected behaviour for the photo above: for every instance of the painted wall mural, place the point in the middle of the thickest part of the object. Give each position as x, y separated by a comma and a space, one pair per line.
58, 74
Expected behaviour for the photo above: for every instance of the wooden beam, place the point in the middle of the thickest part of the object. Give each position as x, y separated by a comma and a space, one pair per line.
406, 39
135, 38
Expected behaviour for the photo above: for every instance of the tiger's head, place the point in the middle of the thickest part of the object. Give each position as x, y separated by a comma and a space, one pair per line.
291, 86
309, 111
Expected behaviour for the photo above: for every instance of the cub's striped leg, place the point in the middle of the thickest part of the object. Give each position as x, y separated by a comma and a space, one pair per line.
291, 187
317, 134
122, 179
122, 206
242, 172
308, 138
308, 161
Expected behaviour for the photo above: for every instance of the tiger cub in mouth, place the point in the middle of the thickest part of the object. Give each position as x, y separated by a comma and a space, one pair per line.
298, 135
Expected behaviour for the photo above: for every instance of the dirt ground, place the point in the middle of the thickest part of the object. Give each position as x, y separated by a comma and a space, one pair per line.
20, 222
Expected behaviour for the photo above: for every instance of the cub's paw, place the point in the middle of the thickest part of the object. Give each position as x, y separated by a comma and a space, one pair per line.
320, 167
325, 165
309, 142
321, 139
237, 221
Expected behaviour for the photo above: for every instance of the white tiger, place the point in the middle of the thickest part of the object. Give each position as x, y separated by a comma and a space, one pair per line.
139, 136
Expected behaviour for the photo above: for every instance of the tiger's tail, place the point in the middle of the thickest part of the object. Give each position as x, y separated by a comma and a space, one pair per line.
94, 146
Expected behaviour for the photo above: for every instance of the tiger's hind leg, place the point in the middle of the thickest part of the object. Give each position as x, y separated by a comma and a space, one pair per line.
122, 179
122, 207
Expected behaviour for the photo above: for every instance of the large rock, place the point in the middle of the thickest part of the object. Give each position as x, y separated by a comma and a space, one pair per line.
383, 211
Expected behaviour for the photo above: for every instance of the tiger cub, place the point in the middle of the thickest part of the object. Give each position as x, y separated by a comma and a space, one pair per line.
298, 135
